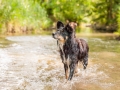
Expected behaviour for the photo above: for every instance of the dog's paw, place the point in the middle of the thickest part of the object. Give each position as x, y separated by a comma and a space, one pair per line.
76, 74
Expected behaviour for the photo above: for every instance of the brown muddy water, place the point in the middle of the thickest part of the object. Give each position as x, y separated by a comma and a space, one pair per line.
33, 63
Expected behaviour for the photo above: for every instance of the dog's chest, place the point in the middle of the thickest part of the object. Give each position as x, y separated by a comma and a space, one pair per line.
64, 53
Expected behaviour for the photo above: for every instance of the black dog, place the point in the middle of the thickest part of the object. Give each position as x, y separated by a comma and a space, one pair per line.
72, 49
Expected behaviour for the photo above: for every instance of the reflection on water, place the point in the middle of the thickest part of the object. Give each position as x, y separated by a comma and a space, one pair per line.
33, 63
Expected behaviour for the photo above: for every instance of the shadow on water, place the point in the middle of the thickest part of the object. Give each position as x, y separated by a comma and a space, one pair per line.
33, 63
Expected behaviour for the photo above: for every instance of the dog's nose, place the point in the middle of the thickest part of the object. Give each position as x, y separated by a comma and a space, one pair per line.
53, 34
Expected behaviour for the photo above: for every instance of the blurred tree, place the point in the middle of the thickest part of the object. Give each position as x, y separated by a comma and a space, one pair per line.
39, 14
104, 13
71, 10
23, 13
119, 22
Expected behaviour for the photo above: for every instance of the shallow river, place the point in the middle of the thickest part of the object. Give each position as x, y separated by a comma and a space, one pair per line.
33, 63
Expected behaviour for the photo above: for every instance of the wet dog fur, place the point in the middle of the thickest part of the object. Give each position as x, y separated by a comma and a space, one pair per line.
72, 50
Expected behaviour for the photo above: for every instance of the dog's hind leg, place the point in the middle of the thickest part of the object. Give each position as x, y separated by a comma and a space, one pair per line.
76, 68
85, 61
66, 70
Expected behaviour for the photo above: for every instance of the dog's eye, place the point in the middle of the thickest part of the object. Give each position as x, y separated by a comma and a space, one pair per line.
61, 30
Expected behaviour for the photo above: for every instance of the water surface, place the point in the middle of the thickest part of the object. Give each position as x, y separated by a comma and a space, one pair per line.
33, 63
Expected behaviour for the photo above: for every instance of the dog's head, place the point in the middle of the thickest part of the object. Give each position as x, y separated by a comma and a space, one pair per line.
63, 31
60, 33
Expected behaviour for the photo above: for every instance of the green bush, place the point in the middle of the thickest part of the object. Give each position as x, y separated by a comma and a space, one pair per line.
71, 10
23, 13
119, 21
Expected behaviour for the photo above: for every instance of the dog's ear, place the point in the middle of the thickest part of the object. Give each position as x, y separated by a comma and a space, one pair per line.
68, 28
59, 24
73, 24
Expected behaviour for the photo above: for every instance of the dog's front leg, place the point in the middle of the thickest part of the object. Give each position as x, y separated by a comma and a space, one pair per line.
72, 68
66, 70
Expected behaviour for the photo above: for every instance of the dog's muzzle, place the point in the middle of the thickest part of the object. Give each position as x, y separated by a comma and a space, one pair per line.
53, 35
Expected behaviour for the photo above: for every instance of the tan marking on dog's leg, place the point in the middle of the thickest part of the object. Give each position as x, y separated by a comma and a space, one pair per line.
76, 68
66, 74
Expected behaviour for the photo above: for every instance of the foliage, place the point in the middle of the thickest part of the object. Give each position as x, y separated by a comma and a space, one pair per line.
71, 10
119, 21
39, 14
102, 12
26, 13
105, 11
